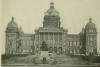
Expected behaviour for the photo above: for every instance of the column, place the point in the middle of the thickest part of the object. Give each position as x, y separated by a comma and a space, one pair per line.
58, 38
72, 46
39, 41
48, 39
44, 36
53, 41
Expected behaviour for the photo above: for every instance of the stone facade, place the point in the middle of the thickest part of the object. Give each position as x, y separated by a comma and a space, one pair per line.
56, 37
17, 42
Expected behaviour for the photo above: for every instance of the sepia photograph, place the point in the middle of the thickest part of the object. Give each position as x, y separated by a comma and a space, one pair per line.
50, 33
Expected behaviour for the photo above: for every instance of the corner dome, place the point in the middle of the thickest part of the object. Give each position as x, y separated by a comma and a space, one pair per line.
90, 25
52, 11
12, 24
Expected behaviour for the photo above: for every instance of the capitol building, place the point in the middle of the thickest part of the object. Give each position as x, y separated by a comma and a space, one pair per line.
51, 37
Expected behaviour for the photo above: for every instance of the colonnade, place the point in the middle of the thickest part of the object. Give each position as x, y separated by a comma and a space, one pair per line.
52, 39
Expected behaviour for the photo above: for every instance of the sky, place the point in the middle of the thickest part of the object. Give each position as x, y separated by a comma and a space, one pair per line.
29, 15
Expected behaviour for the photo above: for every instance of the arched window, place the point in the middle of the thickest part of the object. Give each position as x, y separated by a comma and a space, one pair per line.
77, 51
78, 43
50, 49
91, 38
74, 43
74, 51
70, 43
60, 49
55, 49
70, 51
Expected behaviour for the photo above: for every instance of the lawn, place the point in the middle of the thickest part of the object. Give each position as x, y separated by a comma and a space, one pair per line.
58, 60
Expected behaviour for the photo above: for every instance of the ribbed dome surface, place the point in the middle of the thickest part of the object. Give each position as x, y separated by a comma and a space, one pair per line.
90, 24
12, 24
52, 11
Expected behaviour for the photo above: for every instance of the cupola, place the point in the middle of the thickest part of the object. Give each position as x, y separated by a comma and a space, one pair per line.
90, 24
51, 11
90, 27
12, 26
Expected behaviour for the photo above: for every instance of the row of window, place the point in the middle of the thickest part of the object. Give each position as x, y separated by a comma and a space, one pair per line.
91, 30
74, 43
18, 51
26, 42
55, 49
51, 41
91, 43
11, 51
11, 44
74, 51
25, 51
49, 37
91, 38
14, 44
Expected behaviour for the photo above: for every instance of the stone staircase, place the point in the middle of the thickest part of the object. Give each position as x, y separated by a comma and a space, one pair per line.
57, 60
69, 60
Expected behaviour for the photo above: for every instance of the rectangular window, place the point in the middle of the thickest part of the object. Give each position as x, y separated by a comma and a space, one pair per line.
70, 51
37, 37
77, 51
60, 37
74, 43
74, 51
78, 43
70, 43
41, 36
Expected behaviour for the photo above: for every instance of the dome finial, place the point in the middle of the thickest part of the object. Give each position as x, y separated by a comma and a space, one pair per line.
52, 4
12, 18
90, 20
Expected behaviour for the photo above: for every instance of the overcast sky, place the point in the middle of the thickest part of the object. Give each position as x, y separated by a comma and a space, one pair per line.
29, 14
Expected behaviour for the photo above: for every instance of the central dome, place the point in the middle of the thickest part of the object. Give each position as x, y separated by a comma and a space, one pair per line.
52, 11
51, 18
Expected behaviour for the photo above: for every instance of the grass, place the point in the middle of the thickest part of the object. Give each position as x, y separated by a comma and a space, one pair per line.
58, 60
